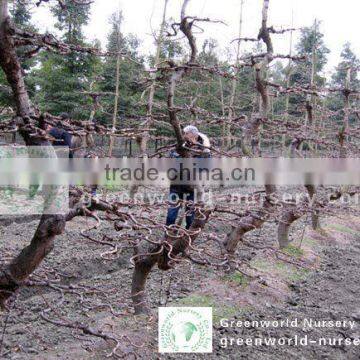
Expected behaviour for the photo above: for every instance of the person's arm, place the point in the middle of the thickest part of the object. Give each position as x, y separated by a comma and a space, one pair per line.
56, 133
205, 148
67, 139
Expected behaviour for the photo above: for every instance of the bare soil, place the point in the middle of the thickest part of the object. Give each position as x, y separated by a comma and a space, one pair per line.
321, 281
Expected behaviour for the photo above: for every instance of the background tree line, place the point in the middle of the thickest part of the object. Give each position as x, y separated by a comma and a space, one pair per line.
62, 83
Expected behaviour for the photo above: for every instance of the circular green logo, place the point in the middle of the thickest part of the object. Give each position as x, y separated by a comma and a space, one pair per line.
185, 329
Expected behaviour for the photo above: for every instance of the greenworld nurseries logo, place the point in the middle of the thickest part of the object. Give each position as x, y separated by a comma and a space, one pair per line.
185, 329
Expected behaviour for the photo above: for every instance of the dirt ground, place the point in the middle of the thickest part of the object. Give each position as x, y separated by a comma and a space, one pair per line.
329, 293
320, 280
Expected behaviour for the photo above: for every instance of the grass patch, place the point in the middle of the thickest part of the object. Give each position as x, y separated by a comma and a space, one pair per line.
290, 272
310, 242
220, 310
261, 264
344, 229
196, 300
229, 312
298, 275
282, 269
293, 251
237, 278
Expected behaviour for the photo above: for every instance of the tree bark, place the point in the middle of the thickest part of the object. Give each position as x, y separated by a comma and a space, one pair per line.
315, 215
286, 220
141, 273
10, 64
117, 81
50, 225
345, 128
163, 257
231, 112
288, 76
256, 220
249, 223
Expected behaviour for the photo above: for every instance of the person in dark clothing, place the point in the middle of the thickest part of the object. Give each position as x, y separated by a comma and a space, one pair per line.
200, 142
173, 211
64, 138
61, 136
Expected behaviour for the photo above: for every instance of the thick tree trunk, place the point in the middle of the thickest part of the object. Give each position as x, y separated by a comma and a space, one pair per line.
180, 245
256, 220
31, 256
315, 215
144, 264
249, 223
50, 225
10, 64
286, 220
345, 128
138, 289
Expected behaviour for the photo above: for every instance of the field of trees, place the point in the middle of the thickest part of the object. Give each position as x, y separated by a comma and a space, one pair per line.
87, 283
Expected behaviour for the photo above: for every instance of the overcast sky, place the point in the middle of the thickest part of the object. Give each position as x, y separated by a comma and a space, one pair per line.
340, 20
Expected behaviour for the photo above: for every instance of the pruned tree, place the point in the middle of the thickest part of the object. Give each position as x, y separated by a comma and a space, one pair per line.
179, 87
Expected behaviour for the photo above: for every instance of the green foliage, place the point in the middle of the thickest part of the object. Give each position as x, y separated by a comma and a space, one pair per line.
311, 38
344, 229
311, 242
237, 278
131, 73
58, 82
220, 309
71, 21
281, 269
261, 264
172, 50
60, 85
61, 79
335, 101
294, 251
5, 96
297, 275
21, 16
197, 300
348, 60
312, 46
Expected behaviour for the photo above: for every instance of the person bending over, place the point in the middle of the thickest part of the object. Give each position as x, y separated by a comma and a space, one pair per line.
200, 143
61, 136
